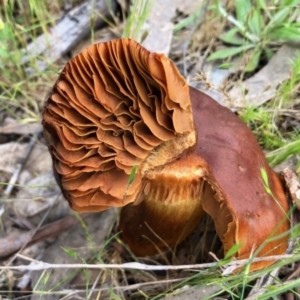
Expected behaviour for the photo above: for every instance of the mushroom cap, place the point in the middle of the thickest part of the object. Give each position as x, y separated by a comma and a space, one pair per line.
245, 211
115, 107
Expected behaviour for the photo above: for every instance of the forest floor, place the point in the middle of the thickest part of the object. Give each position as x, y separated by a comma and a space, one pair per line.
244, 54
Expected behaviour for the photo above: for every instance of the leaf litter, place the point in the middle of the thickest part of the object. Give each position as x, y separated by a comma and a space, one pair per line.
83, 240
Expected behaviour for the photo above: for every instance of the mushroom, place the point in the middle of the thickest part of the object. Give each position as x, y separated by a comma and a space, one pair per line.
125, 130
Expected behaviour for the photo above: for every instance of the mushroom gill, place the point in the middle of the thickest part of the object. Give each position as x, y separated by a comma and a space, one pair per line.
117, 107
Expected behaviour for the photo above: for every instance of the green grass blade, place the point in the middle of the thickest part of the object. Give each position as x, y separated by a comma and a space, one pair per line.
279, 17
290, 33
243, 9
230, 37
233, 250
254, 61
261, 4
132, 175
137, 18
279, 289
226, 53
279, 155
187, 21
255, 22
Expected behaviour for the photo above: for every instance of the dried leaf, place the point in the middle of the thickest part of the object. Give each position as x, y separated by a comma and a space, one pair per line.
38, 162
12, 244
293, 184
38, 195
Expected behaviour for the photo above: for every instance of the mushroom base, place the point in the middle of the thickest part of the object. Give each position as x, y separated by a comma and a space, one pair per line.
169, 211
153, 227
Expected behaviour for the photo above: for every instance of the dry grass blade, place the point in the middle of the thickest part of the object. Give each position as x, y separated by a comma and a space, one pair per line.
26, 278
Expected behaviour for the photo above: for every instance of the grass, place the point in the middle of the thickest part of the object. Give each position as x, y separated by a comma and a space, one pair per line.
21, 22
20, 97
266, 121
136, 21
256, 28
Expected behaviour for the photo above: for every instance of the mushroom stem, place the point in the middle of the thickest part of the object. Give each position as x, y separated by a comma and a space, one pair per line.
170, 209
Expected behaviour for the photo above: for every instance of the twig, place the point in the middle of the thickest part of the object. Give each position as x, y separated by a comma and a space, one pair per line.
260, 286
32, 234
68, 32
39, 265
10, 245
14, 178
26, 278
293, 184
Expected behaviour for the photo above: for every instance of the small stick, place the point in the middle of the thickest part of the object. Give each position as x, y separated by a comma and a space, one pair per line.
293, 185
26, 278
10, 245
14, 178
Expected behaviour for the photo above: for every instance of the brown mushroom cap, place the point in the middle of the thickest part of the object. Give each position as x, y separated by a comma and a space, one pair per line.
115, 106
236, 197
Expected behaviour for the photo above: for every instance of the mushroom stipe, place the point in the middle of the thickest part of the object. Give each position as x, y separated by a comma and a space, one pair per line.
117, 107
